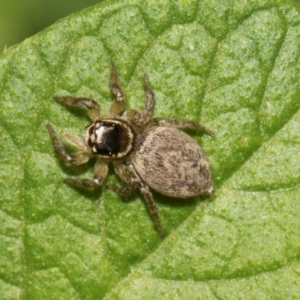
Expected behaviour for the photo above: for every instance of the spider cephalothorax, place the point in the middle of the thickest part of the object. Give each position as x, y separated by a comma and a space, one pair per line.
110, 138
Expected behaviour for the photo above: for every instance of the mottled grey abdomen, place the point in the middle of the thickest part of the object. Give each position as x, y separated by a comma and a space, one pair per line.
172, 163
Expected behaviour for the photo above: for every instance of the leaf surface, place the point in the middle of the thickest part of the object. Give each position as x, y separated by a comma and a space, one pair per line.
233, 67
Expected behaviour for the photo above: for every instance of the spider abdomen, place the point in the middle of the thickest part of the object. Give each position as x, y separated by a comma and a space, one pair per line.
172, 163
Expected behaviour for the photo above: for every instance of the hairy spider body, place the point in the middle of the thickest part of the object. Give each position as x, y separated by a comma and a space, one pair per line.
145, 151
180, 172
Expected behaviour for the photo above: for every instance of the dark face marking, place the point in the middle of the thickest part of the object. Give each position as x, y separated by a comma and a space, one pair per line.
110, 138
105, 138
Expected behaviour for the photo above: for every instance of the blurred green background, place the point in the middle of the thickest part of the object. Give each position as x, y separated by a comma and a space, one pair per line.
20, 19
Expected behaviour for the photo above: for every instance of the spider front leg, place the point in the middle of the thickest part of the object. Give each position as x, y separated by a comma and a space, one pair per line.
149, 100
180, 123
78, 158
118, 104
128, 175
92, 106
100, 173
141, 118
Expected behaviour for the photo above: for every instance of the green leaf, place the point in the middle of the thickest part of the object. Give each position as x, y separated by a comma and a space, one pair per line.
231, 65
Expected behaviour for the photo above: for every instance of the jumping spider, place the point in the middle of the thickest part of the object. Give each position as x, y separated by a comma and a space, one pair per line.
145, 151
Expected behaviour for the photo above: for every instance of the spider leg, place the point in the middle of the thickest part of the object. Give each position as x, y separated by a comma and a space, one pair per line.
181, 123
92, 106
100, 173
78, 158
118, 104
128, 175
141, 118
